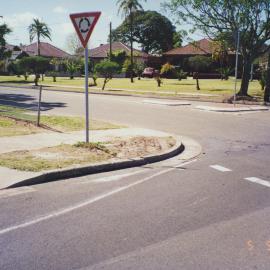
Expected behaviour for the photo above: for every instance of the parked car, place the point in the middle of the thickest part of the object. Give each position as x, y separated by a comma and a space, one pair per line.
149, 72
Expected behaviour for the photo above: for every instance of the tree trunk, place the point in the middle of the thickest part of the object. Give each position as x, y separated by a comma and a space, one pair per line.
197, 84
104, 84
196, 76
267, 83
245, 77
37, 76
38, 44
131, 46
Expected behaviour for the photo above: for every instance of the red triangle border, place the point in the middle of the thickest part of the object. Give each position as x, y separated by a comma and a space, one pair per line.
74, 16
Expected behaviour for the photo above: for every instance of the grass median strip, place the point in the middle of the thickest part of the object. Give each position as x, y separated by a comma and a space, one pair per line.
208, 86
15, 121
65, 156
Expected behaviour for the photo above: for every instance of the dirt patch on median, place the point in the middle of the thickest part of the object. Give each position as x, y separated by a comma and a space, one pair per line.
66, 156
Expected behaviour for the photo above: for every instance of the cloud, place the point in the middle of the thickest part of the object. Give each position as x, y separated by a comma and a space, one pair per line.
19, 23
60, 9
20, 20
60, 32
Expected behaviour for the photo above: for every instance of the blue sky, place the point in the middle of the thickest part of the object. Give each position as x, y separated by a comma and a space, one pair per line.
18, 14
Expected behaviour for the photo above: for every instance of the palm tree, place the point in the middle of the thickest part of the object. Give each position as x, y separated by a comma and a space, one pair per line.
127, 8
39, 29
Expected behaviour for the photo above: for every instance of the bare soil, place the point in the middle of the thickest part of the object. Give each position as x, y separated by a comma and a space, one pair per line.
66, 156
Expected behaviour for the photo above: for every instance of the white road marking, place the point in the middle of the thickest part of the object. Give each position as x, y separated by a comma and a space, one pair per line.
80, 205
15, 192
113, 178
220, 168
258, 181
186, 163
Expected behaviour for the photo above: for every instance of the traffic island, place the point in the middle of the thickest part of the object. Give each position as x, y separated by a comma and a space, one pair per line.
227, 108
109, 150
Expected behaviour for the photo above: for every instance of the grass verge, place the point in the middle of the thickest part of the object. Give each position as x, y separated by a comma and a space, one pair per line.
54, 157
209, 86
15, 121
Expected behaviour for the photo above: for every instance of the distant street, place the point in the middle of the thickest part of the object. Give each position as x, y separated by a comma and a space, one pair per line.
212, 213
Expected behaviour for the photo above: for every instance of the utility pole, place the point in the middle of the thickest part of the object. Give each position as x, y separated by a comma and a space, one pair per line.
236, 65
110, 41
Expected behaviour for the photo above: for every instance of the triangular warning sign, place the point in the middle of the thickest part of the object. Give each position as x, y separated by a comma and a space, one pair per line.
84, 24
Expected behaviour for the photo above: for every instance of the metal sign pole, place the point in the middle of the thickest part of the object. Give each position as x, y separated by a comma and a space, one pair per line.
39, 105
84, 24
86, 95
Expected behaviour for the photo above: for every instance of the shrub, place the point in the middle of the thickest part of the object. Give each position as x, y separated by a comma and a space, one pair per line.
71, 67
119, 57
168, 71
225, 73
127, 67
199, 64
107, 69
52, 74
139, 68
34, 64
181, 74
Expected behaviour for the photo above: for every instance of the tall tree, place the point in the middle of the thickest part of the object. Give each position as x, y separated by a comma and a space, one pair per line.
250, 18
178, 38
4, 30
267, 83
127, 8
151, 30
39, 29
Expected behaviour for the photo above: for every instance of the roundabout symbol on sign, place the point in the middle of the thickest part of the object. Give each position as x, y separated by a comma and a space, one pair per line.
84, 25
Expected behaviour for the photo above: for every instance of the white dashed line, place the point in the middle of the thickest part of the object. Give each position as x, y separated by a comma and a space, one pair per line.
258, 181
220, 168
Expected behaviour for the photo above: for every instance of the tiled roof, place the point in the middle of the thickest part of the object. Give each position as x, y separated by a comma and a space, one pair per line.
103, 50
46, 50
201, 47
10, 47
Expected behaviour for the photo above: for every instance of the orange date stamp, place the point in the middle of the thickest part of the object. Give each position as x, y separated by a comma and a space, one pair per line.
252, 245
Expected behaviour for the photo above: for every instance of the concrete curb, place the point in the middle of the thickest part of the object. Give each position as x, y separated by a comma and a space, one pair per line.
101, 167
241, 109
166, 102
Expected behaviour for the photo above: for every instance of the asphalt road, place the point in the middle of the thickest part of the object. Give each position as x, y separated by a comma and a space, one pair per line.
212, 213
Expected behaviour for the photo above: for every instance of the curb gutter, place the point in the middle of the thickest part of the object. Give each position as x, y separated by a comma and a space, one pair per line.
101, 167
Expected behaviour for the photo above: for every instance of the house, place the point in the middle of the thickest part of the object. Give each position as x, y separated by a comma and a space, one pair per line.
205, 47
46, 50
176, 56
100, 53
15, 53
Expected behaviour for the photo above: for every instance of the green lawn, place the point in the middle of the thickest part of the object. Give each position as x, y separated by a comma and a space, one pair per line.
15, 121
210, 86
